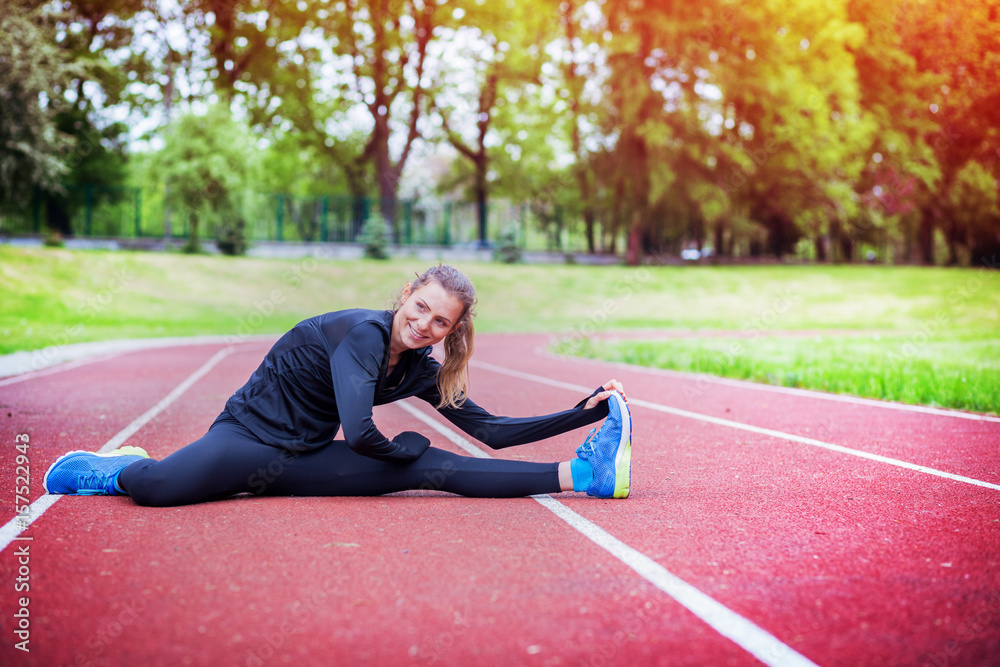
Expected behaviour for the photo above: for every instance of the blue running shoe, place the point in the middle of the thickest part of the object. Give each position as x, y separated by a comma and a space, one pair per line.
89, 474
610, 451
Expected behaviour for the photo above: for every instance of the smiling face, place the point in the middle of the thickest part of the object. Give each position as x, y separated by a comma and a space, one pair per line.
426, 316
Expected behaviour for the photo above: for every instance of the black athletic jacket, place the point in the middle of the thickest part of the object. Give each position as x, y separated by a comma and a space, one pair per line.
330, 370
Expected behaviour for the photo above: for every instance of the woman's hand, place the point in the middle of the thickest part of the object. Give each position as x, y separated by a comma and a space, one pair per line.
603, 395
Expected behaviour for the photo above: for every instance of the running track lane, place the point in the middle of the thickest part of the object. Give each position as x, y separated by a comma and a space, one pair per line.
726, 519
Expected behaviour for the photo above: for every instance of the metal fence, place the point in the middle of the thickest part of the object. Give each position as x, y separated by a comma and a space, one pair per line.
121, 212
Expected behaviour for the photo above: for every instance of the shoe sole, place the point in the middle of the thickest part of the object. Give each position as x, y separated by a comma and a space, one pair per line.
624, 474
127, 450
623, 455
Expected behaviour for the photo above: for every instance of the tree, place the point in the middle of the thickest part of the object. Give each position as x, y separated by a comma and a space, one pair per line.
791, 120
32, 149
169, 65
93, 35
301, 100
958, 41
384, 43
62, 73
317, 68
205, 164
900, 169
294, 167
579, 65
503, 57
971, 213
659, 98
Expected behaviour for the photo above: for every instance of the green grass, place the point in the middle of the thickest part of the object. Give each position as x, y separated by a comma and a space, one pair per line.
955, 373
949, 317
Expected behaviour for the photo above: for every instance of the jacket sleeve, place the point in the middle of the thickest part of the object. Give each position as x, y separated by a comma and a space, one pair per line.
355, 365
498, 432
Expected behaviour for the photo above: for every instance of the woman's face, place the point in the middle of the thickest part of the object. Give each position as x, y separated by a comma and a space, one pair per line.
426, 316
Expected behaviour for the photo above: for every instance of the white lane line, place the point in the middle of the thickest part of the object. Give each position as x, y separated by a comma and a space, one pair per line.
744, 633
744, 427
57, 359
13, 528
57, 369
793, 391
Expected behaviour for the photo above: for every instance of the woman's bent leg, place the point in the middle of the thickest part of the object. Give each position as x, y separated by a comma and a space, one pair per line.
225, 461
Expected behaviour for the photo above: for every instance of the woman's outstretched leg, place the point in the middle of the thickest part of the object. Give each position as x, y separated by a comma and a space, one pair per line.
336, 470
229, 460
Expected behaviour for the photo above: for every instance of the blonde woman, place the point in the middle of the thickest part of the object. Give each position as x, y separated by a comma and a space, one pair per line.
276, 435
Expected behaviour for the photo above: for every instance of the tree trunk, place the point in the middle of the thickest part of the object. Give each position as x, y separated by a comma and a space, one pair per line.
952, 234
481, 164
588, 224
57, 217
925, 236
388, 184
720, 238
820, 244
634, 252
193, 243
847, 247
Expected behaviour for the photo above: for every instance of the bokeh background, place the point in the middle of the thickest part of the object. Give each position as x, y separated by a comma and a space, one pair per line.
731, 184
843, 130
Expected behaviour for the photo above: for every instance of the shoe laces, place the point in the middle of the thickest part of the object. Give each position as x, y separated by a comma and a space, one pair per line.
91, 484
585, 450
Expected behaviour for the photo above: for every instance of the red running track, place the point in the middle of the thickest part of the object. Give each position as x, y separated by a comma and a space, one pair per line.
820, 554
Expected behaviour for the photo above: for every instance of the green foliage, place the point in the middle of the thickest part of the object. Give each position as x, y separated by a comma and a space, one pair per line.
958, 44
32, 149
57, 90
505, 63
205, 163
231, 237
757, 128
508, 249
973, 208
375, 237
192, 245
53, 239
294, 165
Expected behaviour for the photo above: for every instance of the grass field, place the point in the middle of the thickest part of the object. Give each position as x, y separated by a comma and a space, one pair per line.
947, 373
932, 335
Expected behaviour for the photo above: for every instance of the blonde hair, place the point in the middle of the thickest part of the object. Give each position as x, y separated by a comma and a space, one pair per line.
453, 377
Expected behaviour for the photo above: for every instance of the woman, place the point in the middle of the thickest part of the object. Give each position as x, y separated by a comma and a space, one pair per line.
276, 433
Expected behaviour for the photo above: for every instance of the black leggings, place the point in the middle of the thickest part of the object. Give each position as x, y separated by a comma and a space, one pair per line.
230, 459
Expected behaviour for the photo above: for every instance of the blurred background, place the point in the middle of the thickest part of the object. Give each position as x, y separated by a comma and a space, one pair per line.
819, 143
816, 130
